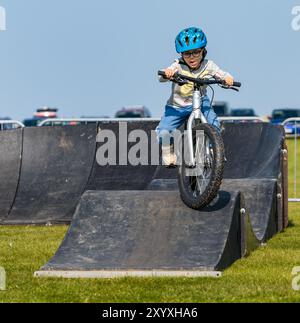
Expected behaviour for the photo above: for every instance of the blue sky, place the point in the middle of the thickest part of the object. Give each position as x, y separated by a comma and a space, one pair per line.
92, 57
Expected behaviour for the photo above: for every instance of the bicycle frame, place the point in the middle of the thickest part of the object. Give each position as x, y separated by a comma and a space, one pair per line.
195, 115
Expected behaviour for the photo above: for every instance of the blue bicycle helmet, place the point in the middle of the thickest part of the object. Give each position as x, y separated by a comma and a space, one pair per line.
189, 39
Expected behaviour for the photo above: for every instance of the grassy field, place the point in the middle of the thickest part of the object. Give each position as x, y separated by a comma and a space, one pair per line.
294, 192
264, 276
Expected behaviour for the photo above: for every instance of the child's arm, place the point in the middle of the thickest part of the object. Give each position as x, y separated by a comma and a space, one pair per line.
215, 71
170, 71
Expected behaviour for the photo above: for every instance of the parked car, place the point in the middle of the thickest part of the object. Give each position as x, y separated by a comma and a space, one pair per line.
31, 122
46, 113
280, 115
243, 113
40, 115
243, 116
133, 112
221, 109
5, 126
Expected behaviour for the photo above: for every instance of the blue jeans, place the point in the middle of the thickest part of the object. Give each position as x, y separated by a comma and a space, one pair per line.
174, 118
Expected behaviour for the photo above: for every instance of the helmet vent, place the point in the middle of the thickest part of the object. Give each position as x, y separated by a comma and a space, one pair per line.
190, 39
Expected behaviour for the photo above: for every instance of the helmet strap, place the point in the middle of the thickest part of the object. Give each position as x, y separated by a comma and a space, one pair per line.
204, 55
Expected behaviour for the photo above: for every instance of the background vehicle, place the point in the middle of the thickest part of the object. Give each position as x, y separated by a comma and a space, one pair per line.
83, 120
280, 115
134, 112
243, 113
40, 115
6, 126
221, 109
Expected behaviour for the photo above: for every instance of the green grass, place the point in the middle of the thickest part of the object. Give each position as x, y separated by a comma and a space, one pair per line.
264, 276
294, 193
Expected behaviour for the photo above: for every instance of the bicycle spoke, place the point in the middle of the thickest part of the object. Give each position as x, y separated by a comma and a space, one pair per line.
202, 184
198, 180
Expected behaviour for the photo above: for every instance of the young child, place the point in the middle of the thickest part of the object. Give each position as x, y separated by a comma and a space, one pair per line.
191, 44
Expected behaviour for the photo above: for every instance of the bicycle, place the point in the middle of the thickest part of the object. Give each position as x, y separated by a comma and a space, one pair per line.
200, 178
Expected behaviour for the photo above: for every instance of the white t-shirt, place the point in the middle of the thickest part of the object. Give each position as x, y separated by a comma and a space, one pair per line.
182, 96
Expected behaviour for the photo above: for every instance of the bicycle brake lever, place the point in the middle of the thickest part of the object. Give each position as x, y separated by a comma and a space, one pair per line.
230, 88
180, 81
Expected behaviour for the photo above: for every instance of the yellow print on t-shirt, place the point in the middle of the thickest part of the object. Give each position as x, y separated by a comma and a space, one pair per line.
187, 89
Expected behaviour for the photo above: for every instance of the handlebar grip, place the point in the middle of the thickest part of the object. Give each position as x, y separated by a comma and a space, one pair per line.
161, 73
237, 84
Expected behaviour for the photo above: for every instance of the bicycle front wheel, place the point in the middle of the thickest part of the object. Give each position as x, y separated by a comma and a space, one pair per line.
200, 185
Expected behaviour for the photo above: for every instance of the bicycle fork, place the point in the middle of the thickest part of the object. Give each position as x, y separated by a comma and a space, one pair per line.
195, 115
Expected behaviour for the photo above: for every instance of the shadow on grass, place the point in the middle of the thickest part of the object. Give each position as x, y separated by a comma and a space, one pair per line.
291, 224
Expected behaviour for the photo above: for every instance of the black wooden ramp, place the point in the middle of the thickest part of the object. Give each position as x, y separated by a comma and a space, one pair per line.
117, 233
254, 167
10, 163
253, 150
260, 196
125, 175
261, 204
56, 165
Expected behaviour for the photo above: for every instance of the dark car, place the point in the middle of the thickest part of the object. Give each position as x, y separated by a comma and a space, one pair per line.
221, 109
134, 112
280, 115
243, 113
40, 115
33, 122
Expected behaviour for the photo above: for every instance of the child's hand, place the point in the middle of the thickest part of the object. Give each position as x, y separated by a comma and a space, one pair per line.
169, 73
229, 81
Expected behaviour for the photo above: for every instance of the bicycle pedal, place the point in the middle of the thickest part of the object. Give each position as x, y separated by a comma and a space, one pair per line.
172, 166
190, 166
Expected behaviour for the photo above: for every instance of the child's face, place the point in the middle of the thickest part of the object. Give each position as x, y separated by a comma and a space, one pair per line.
193, 58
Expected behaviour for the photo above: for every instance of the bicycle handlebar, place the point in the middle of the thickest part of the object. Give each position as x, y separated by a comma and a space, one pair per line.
179, 78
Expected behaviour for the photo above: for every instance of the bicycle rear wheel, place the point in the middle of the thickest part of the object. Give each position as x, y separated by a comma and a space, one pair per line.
200, 185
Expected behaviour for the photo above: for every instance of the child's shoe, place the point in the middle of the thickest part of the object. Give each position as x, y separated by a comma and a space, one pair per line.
169, 157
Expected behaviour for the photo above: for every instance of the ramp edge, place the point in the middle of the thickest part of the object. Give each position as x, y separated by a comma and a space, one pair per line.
102, 274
